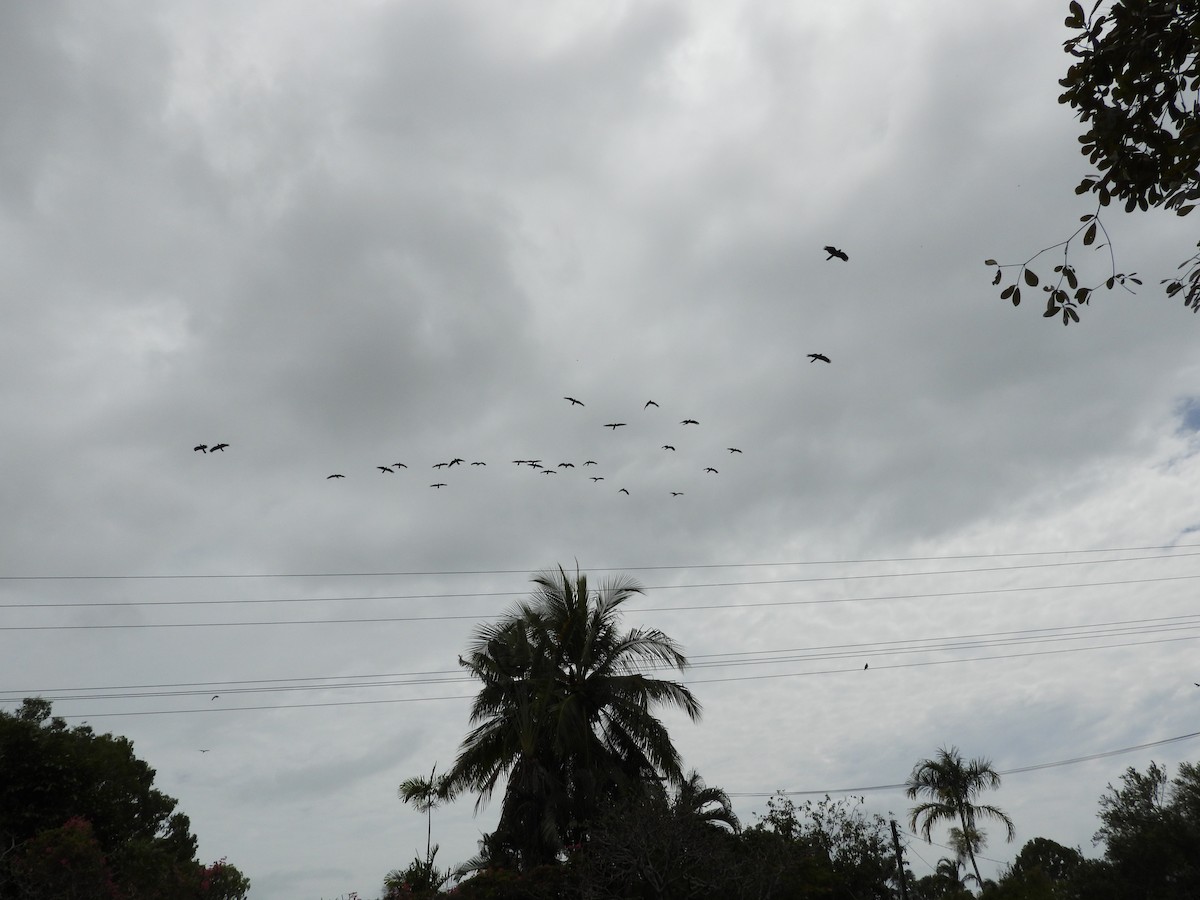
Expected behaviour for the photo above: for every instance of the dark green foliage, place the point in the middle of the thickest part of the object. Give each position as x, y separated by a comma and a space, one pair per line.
565, 714
1150, 828
89, 796
1134, 84
1043, 870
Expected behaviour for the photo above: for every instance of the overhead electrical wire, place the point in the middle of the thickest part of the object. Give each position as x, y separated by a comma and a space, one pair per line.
440, 572
874, 649
1018, 770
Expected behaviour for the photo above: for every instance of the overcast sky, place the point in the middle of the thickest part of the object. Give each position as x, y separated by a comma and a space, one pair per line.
342, 236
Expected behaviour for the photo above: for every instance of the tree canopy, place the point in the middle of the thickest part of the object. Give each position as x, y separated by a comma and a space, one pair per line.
79, 815
1134, 84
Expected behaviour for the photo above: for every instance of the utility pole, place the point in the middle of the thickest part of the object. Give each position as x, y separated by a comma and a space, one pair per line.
899, 861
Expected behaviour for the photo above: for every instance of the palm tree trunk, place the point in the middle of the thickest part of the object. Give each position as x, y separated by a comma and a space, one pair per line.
967, 839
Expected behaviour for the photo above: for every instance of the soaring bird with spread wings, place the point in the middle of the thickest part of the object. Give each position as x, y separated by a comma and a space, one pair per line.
834, 251
813, 357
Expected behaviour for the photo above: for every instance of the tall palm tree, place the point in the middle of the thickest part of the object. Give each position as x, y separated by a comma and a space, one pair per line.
425, 794
952, 784
565, 711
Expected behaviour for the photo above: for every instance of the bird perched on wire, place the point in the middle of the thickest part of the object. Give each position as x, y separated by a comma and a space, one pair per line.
834, 251
813, 357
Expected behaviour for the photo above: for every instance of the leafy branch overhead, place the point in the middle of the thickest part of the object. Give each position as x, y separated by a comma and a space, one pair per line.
1064, 294
1135, 84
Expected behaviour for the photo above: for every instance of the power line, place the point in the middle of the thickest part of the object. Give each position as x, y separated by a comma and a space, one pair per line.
717, 658
860, 650
661, 587
1074, 760
525, 571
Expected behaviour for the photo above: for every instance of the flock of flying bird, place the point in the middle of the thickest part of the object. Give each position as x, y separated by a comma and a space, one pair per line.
540, 466
537, 464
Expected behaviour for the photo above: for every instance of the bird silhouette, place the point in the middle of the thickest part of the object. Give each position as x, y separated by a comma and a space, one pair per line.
668, 447
566, 465
220, 447
440, 484
733, 449
574, 402
205, 751
327, 477
214, 696
479, 464
866, 666
589, 462
457, 461
711, 469
399, 466
649, 403
622, 491
597, 477
385, 469
689, 422
440, 465
813, 357
203, 448
834, 251
613, 425
534, 464
676, 493
549, 471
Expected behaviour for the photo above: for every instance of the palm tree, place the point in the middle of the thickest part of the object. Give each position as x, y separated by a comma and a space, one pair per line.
952, 784
709, 805
565, 712
425, 794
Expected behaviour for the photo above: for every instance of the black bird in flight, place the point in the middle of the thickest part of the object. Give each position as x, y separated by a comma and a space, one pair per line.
574, 402
834, 251
711, 469
327, 477
457, 461
440, 484
689, 422
613, 425
440, 465
650, 403
566, 465
668, 447
220, 447
479, 464
589, 462
549, 471
733, 449
866, 666
205, 751
676, 493
203, 448
385, 469
597, 477
813, 357
215, 696
399, 466
623, 491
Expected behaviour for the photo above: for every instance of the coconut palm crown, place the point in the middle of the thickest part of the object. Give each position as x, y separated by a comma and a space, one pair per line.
566, 712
